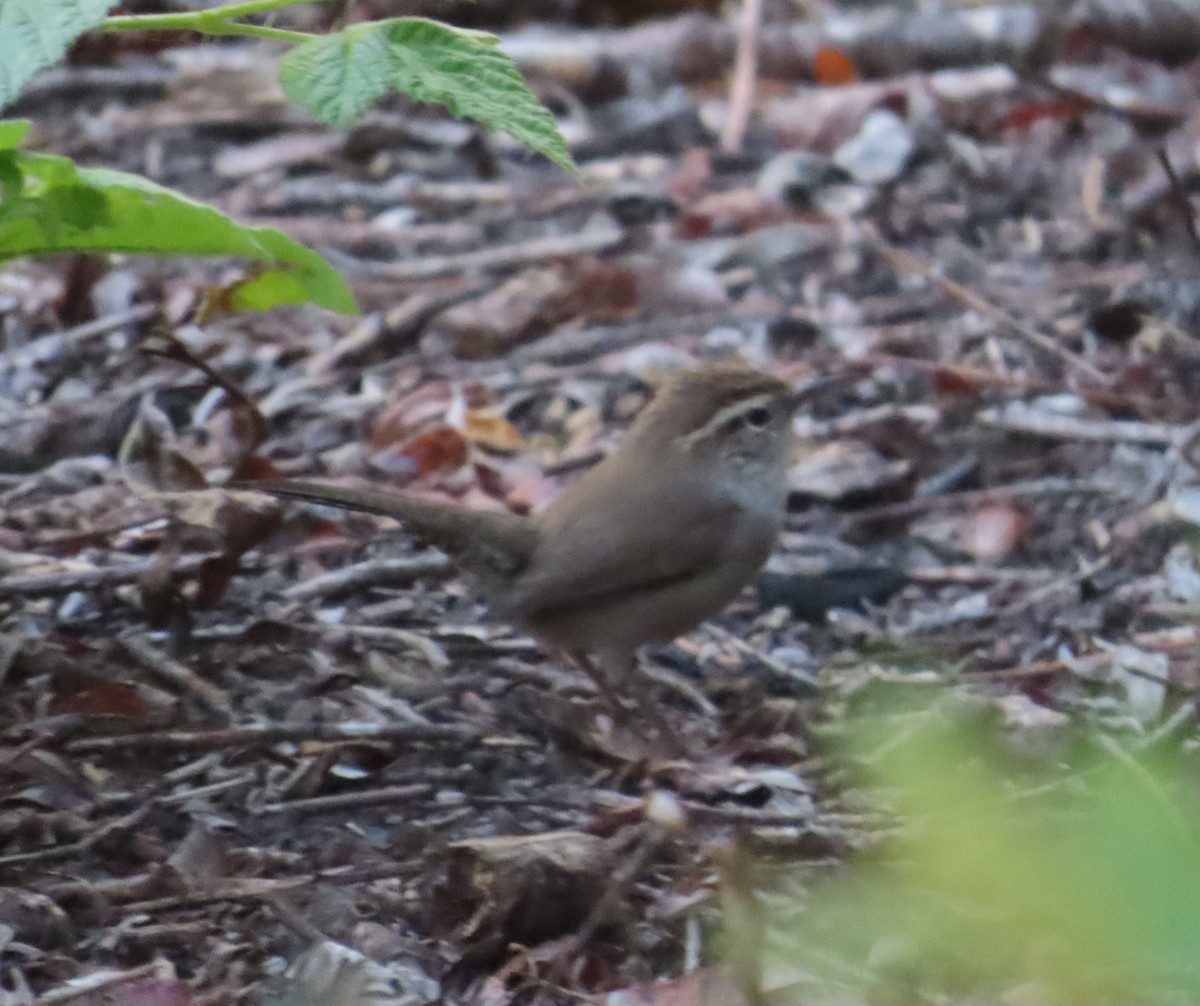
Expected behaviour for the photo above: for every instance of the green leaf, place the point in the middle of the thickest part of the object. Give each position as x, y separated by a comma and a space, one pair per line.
336, 77
50, 205
12, 131
35, 33
1076, 874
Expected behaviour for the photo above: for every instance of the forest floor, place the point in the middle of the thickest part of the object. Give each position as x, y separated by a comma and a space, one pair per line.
240, 737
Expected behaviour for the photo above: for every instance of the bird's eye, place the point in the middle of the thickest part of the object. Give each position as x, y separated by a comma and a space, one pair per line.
758, 418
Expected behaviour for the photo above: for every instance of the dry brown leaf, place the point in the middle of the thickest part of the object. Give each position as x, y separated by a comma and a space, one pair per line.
490, 430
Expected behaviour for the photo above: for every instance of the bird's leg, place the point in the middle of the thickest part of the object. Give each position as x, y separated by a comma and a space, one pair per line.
646, 702
599, 678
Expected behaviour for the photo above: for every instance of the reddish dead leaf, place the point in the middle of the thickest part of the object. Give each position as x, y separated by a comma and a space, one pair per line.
214, 578
951, 381
427, 405
255, 467
82, 273
441, 449
1139, 377
489, 430
691, 226
1023, 115
522, 487
832, 67
103, 699
491, 479
106, 48
603, 291
245, 523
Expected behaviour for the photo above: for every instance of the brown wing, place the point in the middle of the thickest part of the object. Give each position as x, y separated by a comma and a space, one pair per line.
625, 543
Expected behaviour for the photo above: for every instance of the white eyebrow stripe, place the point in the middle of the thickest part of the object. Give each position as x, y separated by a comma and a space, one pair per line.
722, 416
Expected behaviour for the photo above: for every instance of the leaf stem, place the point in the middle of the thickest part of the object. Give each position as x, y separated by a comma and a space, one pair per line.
259, 31
214, 21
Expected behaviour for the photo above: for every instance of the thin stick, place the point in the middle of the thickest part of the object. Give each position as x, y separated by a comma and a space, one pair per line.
745, 73
155, 662
382, 797
276, 733
1180, 195
904, 261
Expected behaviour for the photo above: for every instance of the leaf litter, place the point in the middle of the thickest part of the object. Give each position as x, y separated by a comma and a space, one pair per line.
257, 753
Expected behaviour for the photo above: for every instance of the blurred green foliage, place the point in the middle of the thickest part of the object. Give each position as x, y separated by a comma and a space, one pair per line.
1012, 878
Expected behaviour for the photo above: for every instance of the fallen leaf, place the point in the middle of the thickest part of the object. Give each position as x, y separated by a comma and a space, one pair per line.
832, 67
436, 450
490, 430
426, 405
102, 700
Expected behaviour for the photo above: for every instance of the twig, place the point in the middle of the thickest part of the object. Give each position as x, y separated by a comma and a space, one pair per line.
851, 423
59, 345
907, 262
125, 890
171, 347
264, 888
1116, 398
789, 675
102, 833
151, 659
1179, 193
269, 734
405, 639
668, 679
1022, 418
497, 259
1052, 485
249, 889
50, 584
979, 575
210, 790
745, 74
348, 801
93, 985
336, 193
749, 816
402, 572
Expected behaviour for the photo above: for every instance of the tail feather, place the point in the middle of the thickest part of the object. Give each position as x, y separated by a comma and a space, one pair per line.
490, 545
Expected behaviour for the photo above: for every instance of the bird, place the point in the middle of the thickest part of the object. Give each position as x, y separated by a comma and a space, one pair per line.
653, 540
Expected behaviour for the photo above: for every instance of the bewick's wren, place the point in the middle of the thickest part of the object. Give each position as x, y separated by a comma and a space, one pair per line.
659, 536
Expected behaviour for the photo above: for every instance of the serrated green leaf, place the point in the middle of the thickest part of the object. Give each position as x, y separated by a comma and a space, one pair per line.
35, 33
55, 206
336, 77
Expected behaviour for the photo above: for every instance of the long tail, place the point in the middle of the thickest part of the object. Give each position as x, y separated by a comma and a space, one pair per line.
485, 543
